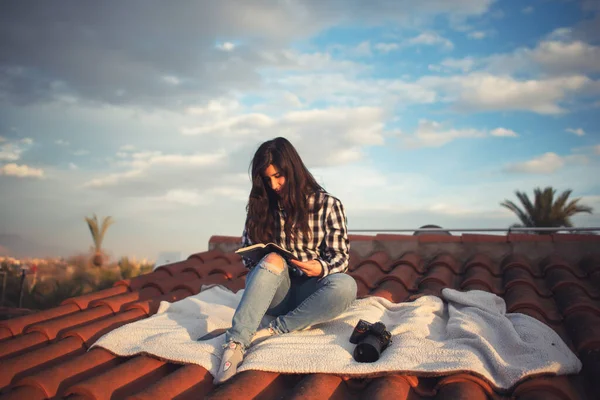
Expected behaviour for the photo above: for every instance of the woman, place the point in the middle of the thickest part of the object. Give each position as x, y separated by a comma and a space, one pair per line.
288, 207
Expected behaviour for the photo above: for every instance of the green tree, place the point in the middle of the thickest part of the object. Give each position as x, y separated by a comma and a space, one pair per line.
545, 211
98, 232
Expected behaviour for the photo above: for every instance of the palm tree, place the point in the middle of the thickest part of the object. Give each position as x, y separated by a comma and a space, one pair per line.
98, 237
545, 211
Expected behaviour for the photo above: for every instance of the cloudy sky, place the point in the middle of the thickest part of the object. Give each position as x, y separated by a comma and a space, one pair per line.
412, 113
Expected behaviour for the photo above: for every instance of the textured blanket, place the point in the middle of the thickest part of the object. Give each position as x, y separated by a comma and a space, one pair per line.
464, 331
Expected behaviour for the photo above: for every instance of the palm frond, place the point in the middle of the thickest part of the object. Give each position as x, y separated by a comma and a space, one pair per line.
98, 232
529, 208
546, 210
108, 221
93, 225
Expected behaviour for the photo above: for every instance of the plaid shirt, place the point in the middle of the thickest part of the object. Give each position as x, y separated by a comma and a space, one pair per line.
329, 243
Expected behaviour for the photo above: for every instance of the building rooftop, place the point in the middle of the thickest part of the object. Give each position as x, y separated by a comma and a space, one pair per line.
553, 278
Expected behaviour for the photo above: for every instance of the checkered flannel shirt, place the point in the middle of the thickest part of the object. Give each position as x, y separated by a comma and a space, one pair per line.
329, 243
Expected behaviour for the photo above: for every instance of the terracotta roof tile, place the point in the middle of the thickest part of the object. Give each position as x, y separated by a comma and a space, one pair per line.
320, 386
53, 380
91, 332
369, 273
27, 342
123, 380
553, 278
389, 387
391, 290
406, 274
25, 364
53, 327
116, 303
25, 392
83, 301
5, 333
188, 382
463, 386
16, 325
484, 261
481, 277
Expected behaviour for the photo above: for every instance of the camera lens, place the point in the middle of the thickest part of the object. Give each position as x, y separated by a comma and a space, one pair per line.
368, 350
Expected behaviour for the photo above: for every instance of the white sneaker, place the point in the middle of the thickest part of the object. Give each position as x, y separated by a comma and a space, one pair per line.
231, 359
262, 334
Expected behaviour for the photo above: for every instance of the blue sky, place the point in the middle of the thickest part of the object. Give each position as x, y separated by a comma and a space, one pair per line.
412, 113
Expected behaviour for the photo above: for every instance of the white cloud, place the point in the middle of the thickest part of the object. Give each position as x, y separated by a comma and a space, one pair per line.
341, 131
386, 47
434, 134
226, 46
172, 80
347, 91
597, 149
552, 56
478, 35
81, 152
563, 34
73, 166
13, 149
429, 39
2, 139
21, 171
578, 131
464, 64
292, 100
185, 196
363, 49
547, 163
544, 164
142, 164
294, 61
527, 10
486, 92
9, 152
192, 47
503, 132
61, 142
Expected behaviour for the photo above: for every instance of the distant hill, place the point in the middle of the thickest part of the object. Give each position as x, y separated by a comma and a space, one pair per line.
19, 247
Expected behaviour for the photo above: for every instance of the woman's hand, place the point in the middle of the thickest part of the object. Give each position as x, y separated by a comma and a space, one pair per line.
310, 268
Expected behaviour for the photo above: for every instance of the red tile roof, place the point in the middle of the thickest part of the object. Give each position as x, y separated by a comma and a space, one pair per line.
553, 278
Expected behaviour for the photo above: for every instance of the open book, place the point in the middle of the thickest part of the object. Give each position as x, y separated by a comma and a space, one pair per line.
256, 252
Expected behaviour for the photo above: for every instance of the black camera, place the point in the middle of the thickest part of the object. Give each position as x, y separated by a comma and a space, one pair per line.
371, 340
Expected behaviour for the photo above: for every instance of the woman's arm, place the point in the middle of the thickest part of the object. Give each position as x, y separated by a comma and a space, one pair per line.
246, 242
335, 254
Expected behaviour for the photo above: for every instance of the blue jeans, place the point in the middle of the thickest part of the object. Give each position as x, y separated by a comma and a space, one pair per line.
297, 301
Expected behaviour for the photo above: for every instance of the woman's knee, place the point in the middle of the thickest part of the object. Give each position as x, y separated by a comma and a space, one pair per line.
273, 262
344, 286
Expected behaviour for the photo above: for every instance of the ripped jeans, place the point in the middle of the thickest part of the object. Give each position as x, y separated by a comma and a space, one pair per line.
297, 302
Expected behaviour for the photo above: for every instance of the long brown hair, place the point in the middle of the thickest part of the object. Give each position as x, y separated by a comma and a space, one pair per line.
262, 208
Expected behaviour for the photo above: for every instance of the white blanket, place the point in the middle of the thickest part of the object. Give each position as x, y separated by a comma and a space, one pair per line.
466, 331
